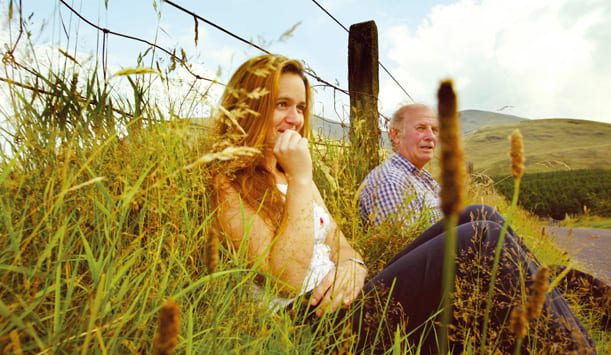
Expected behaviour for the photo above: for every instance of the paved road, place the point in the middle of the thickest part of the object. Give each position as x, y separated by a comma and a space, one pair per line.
588, 246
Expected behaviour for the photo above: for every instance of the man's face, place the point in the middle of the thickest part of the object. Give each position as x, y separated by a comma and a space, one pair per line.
417, 138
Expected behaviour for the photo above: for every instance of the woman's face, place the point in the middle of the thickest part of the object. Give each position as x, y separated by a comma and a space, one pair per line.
290, 104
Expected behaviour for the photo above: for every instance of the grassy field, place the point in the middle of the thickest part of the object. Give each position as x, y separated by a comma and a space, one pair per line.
550, 144
105, 215
587, 222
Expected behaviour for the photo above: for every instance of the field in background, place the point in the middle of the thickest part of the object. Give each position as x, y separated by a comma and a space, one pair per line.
587, 222
558, 194
549, 144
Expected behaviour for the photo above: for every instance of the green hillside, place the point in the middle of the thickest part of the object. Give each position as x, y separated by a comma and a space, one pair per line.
470, 121
549, 144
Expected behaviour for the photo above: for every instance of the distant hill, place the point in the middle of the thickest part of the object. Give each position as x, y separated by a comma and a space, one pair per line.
328, 128
472, 120
549, 144
324, 127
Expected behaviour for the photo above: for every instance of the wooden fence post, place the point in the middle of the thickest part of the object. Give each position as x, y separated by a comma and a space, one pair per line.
363, 85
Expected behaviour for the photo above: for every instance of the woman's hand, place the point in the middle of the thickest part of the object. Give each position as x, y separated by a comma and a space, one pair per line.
340, 287
291, 151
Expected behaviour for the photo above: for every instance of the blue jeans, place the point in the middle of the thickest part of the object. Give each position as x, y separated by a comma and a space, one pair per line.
414, 278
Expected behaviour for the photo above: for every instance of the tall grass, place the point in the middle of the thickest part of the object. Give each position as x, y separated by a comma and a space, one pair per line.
105, 214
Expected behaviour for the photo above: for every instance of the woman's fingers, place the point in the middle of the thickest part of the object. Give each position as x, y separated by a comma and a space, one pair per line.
322, 289
355, 289
337, 299
339, 288
288, 141
282, 142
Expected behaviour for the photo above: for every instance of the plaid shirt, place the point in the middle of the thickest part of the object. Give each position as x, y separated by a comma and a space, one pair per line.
396, 188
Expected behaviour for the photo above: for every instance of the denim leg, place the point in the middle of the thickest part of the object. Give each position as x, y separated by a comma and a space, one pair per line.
468, 214
416, 280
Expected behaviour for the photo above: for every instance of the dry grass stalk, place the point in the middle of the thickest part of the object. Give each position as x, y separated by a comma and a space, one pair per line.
229, 153
166, 337
538, 291
452, 156
517, 154
452, 194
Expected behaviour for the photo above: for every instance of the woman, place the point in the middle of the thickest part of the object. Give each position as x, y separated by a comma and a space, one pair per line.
271, 206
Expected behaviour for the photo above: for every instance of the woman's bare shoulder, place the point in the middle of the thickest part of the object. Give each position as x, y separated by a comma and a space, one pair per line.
223, 186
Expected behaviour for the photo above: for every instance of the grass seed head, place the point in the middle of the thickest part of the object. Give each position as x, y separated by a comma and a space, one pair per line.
517, 154
166, 337
212, 251
518, 321
538, 290
452, 156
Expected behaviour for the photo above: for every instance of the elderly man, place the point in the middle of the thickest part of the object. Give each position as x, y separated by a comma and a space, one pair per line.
400, 187
400, 191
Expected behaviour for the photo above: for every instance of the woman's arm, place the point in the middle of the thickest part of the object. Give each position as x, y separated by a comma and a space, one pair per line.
342, 285
286, 253
341, 249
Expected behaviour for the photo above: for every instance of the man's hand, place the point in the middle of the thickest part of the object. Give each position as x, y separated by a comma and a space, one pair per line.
340, 287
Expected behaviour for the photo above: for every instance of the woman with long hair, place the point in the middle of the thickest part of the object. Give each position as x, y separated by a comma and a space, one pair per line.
269, 205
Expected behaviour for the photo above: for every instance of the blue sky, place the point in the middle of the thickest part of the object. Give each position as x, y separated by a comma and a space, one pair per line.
535, 58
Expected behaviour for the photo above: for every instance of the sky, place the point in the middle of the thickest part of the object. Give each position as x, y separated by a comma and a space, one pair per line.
530, 58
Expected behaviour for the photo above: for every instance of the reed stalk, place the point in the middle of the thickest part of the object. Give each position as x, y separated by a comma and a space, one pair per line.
517, 171
452, 196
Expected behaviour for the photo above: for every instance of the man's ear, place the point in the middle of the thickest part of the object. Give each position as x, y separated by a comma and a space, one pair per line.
393, 133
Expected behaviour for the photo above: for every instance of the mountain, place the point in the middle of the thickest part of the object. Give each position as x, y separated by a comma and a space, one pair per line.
327, 128
549, 144
324, 127
472, 120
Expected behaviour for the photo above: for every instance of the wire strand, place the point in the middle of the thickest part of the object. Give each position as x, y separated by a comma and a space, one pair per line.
245, 41
107, 31
381, 64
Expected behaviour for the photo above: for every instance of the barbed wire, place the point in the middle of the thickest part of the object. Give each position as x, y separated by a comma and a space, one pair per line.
245, 41
38, 90
93, 102
310, 72
379, 62
172, 54
106, 31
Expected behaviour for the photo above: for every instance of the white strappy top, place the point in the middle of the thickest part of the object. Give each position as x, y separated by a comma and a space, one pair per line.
321, 263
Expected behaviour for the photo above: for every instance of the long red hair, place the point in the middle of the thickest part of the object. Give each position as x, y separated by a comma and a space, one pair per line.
246, 119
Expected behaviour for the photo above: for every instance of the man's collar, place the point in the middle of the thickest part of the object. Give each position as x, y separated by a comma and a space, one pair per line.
402, 161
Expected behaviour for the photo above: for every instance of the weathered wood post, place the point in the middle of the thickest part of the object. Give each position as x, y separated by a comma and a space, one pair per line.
363, 85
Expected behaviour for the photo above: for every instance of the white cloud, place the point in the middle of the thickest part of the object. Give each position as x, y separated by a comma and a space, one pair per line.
546, 58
